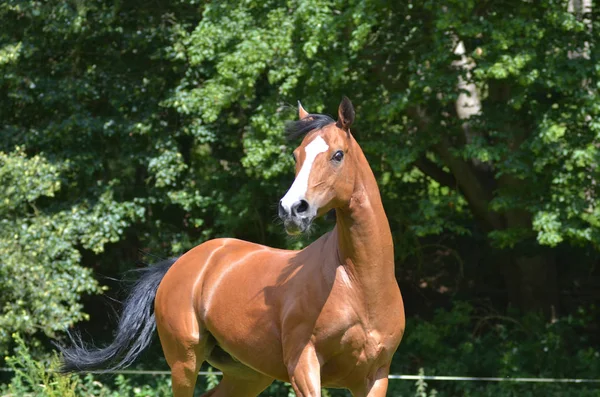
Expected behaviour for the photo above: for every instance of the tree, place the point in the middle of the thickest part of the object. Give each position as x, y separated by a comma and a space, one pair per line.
522, 164
158, 126
82, 130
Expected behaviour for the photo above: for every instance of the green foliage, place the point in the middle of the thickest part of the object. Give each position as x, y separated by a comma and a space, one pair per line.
136, 125
40, 276
40, 378
462, 341
211, 379
242, 60
32, 377
422, 386
470, 341
84, 145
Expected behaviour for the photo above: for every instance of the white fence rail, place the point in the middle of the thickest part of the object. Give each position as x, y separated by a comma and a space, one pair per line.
391, 377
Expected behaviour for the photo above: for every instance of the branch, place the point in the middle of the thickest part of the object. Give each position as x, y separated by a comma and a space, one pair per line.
433, 171
464, 175
473, 190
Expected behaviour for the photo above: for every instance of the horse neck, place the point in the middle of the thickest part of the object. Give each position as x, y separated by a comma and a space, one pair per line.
364, 238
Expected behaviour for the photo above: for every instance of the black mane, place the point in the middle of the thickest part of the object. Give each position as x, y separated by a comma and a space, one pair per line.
298, 128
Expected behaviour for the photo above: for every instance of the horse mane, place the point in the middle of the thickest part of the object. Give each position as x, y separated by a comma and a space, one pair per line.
299, 128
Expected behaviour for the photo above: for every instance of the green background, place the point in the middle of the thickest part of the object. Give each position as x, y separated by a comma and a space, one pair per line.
135, 130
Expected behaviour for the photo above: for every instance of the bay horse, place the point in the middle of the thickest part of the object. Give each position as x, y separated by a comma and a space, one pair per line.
330, 315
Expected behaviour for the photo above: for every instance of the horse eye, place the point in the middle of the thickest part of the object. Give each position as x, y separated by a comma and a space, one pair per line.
338, 156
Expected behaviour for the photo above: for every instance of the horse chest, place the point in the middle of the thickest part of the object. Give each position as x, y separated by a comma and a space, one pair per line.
354, 334
349, 345
361, 344
355, 339
352, 354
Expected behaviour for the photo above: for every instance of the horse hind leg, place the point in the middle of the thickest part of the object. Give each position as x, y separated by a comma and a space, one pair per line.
185, 353
185, 362
234, 385
238, 379
183, 377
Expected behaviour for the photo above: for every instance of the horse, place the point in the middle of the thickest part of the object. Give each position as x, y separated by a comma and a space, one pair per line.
329, 315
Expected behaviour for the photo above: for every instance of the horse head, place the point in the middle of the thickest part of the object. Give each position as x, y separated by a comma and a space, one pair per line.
325, 167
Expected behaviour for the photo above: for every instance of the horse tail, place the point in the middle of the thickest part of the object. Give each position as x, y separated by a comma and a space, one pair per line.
134, 332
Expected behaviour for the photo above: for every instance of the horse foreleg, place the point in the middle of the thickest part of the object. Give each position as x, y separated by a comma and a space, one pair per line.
379, 388
305, 373
374, 387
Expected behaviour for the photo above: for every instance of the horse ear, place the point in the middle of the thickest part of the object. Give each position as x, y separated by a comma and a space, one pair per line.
345, 114
301, 112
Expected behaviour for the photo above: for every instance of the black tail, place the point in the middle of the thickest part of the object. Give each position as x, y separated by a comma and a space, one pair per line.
134, 333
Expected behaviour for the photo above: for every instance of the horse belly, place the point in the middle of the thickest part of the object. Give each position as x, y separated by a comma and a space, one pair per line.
249, 342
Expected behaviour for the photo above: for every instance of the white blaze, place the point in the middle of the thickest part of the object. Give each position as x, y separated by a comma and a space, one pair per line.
298, 190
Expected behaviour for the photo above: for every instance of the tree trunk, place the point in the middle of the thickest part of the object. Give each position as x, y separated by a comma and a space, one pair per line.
531, 283
529, 271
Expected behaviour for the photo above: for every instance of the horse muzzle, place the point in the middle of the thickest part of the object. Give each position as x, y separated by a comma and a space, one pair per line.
296, 218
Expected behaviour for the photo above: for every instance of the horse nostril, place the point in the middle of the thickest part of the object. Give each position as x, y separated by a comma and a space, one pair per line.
281, 209
300, 207
303, 207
